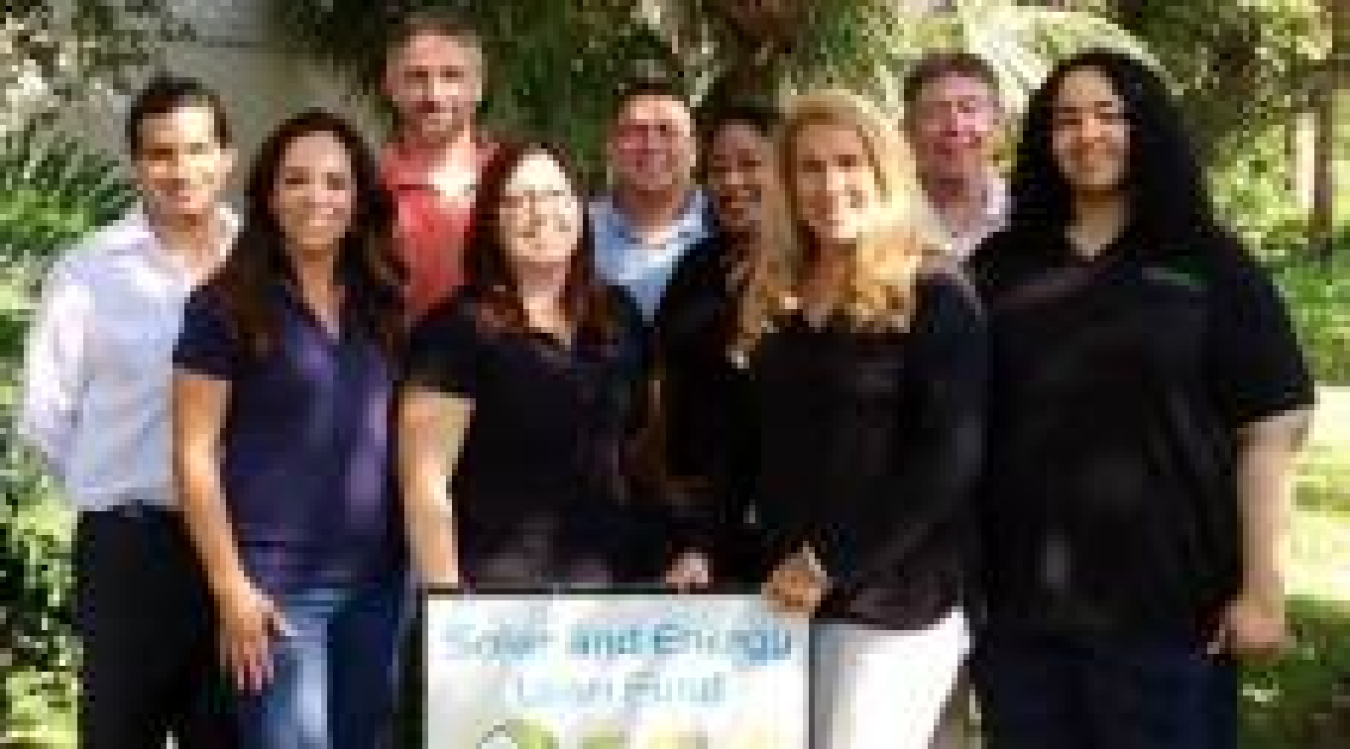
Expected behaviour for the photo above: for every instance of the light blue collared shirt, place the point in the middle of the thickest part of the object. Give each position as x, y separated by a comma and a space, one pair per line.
622, 258
95, 392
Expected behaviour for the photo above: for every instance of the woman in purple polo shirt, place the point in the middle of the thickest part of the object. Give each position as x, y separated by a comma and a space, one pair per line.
281, 444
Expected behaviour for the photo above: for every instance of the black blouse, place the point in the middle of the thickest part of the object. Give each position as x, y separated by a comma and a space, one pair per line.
705, 409
1118, 387
541, 491
869, 448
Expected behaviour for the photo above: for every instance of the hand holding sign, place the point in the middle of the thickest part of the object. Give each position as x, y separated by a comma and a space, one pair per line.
798, 584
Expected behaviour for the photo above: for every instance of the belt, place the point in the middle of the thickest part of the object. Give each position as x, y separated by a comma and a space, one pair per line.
136, 509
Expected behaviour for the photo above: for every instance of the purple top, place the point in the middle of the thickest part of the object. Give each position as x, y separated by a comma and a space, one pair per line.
307, 464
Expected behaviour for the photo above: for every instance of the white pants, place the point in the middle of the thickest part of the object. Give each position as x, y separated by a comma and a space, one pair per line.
882, 688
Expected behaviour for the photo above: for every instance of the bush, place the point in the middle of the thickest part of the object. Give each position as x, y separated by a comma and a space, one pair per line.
52, 190
1252, 195
1319, 299
1303, 699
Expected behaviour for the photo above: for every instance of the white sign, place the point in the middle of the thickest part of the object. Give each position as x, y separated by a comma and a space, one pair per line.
613, 671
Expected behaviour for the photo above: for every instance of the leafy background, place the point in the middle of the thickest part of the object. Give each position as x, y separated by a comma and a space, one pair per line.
1252, 75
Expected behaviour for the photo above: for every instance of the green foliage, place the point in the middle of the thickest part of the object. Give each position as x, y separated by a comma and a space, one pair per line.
55, 51
1253, 197
554, 67
1303, 699
1319, 299
1239, 65
52, 190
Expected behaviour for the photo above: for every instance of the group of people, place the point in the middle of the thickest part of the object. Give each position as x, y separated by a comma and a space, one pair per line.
1030, 435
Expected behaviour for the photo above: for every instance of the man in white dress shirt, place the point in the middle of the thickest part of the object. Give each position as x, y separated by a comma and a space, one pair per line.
95, 404
953, 119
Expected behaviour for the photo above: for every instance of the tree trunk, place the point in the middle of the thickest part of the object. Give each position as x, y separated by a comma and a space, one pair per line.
1323, 204
1322, 224
1303, 165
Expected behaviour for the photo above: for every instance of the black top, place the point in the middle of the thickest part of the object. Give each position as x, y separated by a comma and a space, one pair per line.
869, 447
1119, 384
541, 493
705, 408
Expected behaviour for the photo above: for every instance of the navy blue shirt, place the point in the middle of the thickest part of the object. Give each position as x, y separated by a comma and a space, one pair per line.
307, 458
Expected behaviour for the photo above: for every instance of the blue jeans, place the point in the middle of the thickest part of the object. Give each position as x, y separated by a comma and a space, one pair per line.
334, 678
1048, 692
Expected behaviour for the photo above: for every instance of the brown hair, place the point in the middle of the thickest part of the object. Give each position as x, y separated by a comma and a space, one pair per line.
366, 262
937, 65
586, 302
435, 21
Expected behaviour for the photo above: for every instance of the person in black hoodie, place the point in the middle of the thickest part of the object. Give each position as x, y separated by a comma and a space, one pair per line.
705, 430
866, 358
1148, 396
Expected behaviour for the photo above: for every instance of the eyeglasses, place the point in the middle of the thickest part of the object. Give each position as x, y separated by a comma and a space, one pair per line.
517, 202
629, 132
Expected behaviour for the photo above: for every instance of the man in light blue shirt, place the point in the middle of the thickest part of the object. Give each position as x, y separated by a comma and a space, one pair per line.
654, 212
95, 404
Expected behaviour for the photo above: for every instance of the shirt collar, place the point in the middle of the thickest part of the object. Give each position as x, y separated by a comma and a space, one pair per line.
997, 201
136, 231
403, 168
691, 225
993, 217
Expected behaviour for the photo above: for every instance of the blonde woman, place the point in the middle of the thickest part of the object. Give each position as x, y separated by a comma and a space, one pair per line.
867, 358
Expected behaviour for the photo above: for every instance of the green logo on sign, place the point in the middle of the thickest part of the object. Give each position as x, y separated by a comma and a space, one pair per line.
518, 734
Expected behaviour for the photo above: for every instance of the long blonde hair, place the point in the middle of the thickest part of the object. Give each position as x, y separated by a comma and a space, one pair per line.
875, 291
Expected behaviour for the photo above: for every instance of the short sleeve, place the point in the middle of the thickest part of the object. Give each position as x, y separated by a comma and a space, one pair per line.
1254, 364
206, 343
445, 351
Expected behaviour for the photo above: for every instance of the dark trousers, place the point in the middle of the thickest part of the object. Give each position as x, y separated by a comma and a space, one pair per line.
146, 624
1047, 692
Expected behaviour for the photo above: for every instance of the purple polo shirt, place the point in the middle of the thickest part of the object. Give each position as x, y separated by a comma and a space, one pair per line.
307, 467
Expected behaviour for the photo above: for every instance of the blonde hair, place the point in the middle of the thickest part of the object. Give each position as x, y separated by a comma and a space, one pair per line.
875, 291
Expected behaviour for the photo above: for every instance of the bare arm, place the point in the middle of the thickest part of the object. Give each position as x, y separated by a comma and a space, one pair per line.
248, 617
1254, 622
1266, 462
432, 427
198, 418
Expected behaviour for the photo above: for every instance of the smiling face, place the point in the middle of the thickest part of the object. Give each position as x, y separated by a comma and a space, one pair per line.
181, 164
540, 216
314, 198
1090, 133
953, 125
740, 169
651, 146
835, 189
435, 81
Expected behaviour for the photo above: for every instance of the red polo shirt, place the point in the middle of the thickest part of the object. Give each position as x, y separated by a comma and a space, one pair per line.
431, 228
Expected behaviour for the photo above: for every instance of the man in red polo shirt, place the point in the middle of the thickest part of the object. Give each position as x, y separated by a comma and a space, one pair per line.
433, 75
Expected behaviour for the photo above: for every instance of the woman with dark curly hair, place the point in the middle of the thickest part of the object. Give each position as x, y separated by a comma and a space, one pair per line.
1148, 397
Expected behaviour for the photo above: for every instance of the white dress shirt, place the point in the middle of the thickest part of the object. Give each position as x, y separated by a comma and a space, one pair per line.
962, 244
622, 258
95, 388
